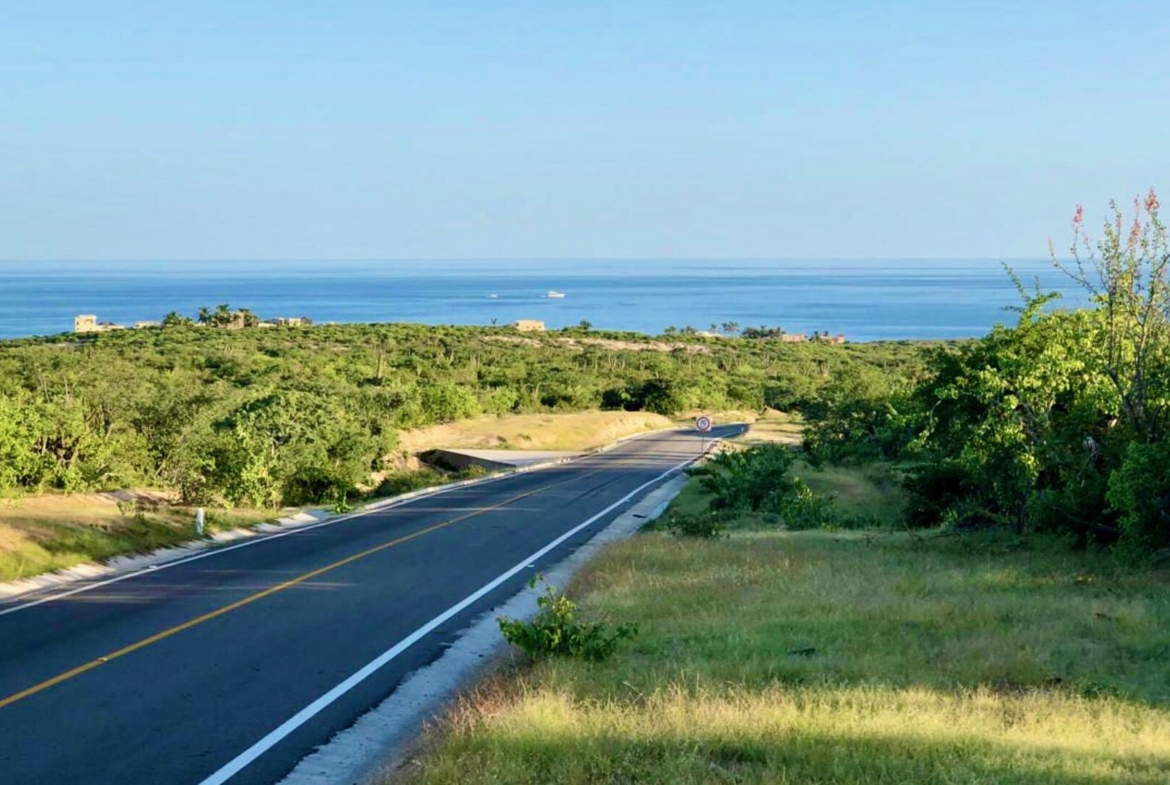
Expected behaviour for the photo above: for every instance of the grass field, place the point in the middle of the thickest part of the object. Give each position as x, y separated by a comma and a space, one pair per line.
855, 657
773, 428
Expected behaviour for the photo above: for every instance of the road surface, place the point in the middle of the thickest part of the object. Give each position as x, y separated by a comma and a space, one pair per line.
233, 665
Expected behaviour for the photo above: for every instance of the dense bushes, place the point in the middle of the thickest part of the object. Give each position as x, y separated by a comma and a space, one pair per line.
1058, 423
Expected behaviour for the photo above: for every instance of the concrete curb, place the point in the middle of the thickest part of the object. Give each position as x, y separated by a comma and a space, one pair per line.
118, 565
380, 739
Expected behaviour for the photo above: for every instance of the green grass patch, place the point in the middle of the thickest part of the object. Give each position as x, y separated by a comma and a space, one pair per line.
856, 657
874, 490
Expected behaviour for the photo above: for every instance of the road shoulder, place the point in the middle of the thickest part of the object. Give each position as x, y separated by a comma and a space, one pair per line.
379, 741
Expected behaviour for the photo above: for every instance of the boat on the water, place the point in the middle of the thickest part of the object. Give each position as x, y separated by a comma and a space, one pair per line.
555, 295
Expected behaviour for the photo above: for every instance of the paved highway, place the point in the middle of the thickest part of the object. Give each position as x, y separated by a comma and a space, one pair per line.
233, 665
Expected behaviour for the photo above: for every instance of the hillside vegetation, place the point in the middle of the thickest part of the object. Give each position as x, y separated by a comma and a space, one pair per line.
289, 416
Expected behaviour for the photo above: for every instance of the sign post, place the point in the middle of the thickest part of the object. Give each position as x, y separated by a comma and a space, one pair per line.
703, 426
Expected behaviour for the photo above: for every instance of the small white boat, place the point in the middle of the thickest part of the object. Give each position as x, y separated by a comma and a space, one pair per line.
494, 296
554, 295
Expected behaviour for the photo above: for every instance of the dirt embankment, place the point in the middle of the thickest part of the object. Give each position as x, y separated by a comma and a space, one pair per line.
605, 343
576, 432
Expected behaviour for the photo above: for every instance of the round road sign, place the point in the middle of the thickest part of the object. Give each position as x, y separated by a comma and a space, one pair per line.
703, 423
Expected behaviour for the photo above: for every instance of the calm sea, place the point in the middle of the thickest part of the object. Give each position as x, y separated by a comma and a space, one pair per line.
866, 300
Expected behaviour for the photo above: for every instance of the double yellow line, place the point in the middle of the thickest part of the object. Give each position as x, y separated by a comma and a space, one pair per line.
308, 576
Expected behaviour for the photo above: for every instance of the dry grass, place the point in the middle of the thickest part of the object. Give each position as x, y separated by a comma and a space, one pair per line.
575, 432
778, 735
862, 657
54, 531
773, 428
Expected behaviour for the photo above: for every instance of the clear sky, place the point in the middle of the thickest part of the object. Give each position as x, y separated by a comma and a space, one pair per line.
179, 130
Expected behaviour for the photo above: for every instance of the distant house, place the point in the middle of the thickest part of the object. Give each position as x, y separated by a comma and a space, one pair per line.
529, 325
88, 323
793, 338
145, 325
290, 321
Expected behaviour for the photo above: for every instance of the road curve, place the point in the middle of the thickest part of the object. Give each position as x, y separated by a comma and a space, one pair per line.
233, 667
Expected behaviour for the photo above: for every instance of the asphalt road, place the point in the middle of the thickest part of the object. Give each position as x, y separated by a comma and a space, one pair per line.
233, 666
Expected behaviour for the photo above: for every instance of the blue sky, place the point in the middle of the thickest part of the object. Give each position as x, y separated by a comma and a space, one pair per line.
166, 130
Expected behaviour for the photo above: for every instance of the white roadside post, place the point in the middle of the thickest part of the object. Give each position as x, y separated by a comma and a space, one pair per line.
703, 425
199, 522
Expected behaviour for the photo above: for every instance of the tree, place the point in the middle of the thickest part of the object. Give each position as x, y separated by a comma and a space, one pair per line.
175, 319
223, 315
1125, 275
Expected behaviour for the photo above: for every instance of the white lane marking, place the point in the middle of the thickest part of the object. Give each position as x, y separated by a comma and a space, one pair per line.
268, 538
241, 761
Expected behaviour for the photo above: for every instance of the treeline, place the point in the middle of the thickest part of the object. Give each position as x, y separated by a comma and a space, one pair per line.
270, 417
1056, 424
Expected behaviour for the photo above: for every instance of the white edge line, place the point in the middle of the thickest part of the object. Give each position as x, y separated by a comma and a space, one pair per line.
213, 551
249, 755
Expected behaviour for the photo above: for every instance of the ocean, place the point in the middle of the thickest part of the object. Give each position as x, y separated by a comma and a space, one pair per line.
865, 300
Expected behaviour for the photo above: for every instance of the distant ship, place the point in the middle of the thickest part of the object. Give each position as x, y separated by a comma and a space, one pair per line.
554, 295
493, 296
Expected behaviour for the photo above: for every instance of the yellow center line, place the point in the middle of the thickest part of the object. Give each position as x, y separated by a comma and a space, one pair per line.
308, 576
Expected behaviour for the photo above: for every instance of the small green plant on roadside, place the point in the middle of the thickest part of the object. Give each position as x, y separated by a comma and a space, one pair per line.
556, 630
804, 509
703, 526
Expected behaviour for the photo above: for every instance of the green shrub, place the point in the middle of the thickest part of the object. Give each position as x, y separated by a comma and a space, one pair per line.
703, 526
1140, 491
754, 479
556, 631
804, 509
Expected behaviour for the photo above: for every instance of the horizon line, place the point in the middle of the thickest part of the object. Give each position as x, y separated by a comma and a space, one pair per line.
554, 259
